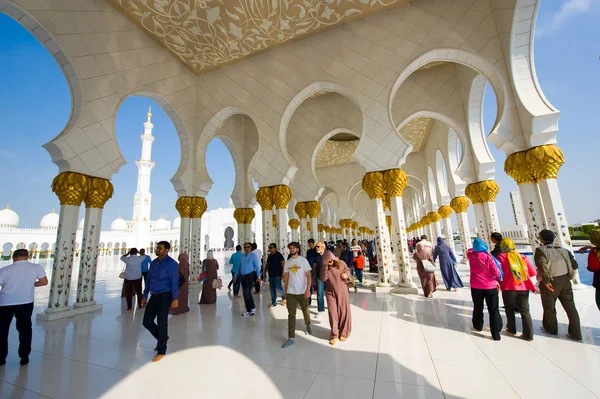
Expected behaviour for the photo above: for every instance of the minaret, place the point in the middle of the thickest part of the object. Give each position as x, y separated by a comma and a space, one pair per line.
143, 198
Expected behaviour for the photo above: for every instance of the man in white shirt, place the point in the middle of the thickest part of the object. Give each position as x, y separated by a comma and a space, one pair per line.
355, 248
296, 278
133, 276
18, 282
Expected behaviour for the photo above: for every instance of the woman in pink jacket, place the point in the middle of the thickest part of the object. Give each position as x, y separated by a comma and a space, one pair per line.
515, 287
485, 273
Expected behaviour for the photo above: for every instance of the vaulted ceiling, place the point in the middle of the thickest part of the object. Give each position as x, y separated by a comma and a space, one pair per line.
207, 34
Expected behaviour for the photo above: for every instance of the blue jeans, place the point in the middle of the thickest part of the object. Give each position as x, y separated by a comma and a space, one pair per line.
274, 284
359, 274
320, 295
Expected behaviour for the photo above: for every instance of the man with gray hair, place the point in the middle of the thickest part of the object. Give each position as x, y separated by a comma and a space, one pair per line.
556, 267
18, 282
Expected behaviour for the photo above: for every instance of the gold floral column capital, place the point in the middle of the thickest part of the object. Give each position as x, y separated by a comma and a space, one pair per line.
263, 197
71, 188
355, 225
321, 227
517, 167
249, 213
483, 191
294, 223
460, 204
240, 215
99, 192
394, 182
300, 210
445, 211
434, 217
545, 161
184, 207
313, 208
281, 195
372, 184
199, 206
274, 220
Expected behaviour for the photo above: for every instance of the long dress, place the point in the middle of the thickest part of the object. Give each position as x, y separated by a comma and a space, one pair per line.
428, 281
447, 261
209, 294
338, 299
182, 297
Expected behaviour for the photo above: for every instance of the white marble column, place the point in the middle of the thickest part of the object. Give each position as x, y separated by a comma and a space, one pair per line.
294, 224
483, 195
400, 243
71, 189
241, 234
445, 212
184, 207
281, 196
101, 190
534, 212
264, 198
460, 206
198, 208
384, 250
482, 230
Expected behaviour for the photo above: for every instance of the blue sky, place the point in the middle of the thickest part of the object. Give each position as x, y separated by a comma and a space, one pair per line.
35, 106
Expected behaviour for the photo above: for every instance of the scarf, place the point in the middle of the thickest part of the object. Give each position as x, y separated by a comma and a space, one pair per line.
518, 268
203, 274
480, 246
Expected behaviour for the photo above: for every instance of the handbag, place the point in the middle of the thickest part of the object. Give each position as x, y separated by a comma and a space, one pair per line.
122, 275
429, 266
217, 283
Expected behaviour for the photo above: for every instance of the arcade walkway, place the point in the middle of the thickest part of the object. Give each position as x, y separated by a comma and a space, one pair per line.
401, 346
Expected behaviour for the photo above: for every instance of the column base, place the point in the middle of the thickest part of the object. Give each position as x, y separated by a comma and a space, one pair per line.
405, 289
384, 285
70, 312
194, 284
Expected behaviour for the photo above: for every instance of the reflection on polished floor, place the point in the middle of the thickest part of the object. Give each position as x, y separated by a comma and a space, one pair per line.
400, 347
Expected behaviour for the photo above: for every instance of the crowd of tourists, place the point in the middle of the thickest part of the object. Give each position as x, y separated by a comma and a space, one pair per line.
328, 269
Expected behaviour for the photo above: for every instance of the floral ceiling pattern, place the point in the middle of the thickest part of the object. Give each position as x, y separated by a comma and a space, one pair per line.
336, 153
416, 132
207, 34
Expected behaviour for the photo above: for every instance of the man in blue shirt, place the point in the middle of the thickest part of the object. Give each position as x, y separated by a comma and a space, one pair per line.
145, 266
275, 262
236, 262
163, 286
249, 273
311, 254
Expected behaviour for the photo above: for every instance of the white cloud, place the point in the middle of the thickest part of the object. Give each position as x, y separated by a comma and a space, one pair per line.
7, 154
569, 9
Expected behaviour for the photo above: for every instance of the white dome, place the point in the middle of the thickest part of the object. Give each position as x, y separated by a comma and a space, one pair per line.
8, 218
161, 224
50, 221
176, 223
119, 224
81, 223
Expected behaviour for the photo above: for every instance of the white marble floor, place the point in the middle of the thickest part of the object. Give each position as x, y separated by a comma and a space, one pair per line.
400, 347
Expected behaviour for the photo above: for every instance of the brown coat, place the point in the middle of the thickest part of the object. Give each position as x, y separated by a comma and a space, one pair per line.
338, 299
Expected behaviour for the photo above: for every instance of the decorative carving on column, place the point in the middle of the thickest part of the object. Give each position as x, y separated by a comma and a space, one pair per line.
483, 196
263, 197
281, 195
184, 207
244, 217
99, 192
459, 206
372, 184
435, 218
71, 189
199, 206
294, 224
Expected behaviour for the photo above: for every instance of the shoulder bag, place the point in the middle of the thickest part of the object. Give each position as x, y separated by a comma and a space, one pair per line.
429, 266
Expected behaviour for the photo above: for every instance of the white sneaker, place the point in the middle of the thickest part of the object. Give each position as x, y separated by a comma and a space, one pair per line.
247, 314
253, 312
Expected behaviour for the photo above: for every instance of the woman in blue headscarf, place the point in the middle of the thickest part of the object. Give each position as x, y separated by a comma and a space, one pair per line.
447, 261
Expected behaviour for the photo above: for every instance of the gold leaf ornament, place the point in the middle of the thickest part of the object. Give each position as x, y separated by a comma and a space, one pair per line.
184, 207
199, 206
312, 209
281, 195
545, 161
483, 191
99, 192
294, 223
460, 204
372, 184
445, 211
434, 217
300, 210
263, 197
394, 182
71, 188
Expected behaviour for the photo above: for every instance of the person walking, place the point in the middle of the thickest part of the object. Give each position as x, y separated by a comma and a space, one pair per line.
261, 275
133, 276
485, 273
18, 282
425, 252
210, 266
163, 287
275, 263
515, 287
335, 272
145, 265
249, 274
182, 297
296, 282
447, 259
318, 284
311, 253
593, 261
495, 238
235, 260
556, 267
359, 265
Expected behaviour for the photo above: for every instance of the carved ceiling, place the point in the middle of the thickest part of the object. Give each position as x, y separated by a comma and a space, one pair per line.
336, 153
207, 34
416, 132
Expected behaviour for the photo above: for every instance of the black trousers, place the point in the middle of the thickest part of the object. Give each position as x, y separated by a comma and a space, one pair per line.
23, 315
518, 300
247, 284
145, 277
158, 308
564, 293
131, 287
492, 302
